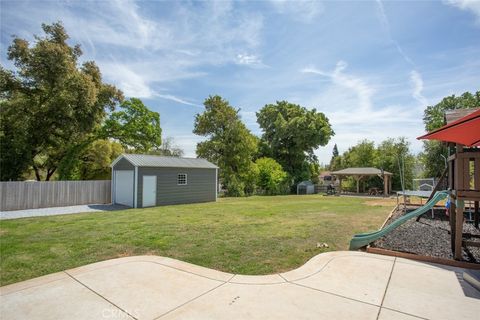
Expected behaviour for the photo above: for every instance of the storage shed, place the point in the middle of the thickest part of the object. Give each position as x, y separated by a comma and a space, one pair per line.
140, 181
305, 187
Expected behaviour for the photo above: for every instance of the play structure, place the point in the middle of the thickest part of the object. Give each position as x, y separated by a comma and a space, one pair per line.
361, 240
462, 175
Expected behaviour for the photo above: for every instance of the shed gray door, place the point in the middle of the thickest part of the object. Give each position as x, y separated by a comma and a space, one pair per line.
149, 194
124, 187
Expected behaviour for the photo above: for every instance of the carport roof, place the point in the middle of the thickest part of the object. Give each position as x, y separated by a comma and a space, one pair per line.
144, 160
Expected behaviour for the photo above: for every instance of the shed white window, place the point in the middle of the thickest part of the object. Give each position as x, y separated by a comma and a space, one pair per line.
182, 179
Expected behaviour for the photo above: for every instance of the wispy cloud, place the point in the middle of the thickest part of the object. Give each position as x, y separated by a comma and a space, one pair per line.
177, 99
250, 60
386, 27
300, 10
357, 85
353, 113
147, 54
469, 5
417, 83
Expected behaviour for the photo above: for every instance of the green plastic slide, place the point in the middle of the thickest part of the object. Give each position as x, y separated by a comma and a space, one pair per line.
363, 239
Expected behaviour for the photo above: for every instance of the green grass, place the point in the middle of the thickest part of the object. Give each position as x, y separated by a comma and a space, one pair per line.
256, 235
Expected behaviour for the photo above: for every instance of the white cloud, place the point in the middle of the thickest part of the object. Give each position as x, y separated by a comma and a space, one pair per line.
300, 10
359, 86
249, 60
417, 82
386, 27
145, 54
348, 102
129, 81
468, 5
177, 99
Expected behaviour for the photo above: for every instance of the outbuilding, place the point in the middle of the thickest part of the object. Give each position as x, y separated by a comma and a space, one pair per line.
141, 181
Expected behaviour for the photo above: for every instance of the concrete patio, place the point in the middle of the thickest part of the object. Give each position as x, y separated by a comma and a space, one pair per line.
334, 285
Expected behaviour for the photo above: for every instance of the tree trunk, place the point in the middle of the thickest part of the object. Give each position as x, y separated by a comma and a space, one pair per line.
50, 172
37, 173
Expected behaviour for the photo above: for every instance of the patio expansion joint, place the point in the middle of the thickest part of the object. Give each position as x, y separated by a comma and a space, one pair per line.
385, 293
405, 313
28, 287
195, 298
155, 262
98, 294
386, 287
196, 274
330, 260
333, 294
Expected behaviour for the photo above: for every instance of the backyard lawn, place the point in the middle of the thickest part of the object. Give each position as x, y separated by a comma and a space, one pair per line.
255, 235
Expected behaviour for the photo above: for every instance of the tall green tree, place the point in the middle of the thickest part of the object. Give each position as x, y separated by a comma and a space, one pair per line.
134, 126
393, 154
271, 177
335, 154
229, 144
56, 103
291, 133
361, 155
434, 115
95, 160
434, 151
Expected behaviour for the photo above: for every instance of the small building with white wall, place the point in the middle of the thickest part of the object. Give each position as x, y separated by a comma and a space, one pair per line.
141, 181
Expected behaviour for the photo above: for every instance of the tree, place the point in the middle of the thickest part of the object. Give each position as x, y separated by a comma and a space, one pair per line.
56, 103
433, 157
229, 144
393, 154
433, 119
134, 126
434, 115
388, 156
291, 133
96, 159
271, 177
335, 154
361, 155
168, 148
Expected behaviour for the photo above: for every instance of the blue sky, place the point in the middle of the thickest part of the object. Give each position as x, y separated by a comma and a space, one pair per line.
371, 67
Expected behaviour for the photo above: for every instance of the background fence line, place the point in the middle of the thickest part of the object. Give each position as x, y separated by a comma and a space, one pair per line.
18, 195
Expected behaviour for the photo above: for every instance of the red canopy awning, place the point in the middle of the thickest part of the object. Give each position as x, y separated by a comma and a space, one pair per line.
464, 131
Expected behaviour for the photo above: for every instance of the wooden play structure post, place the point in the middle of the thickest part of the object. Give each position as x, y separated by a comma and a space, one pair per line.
461, 129
462, 190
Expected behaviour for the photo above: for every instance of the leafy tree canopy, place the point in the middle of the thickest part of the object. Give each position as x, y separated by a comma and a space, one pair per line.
229, 144
434, 115
134, 126
271, 177
433, 119
96, 159
49, 103
390, 155
291, 133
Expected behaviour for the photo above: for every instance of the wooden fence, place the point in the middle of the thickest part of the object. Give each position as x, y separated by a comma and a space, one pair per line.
18, 195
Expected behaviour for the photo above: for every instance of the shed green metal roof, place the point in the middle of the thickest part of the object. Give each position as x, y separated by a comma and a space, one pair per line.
144, 160
361, 172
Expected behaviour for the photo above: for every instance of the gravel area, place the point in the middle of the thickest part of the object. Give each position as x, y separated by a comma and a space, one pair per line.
16, 214
429, 237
